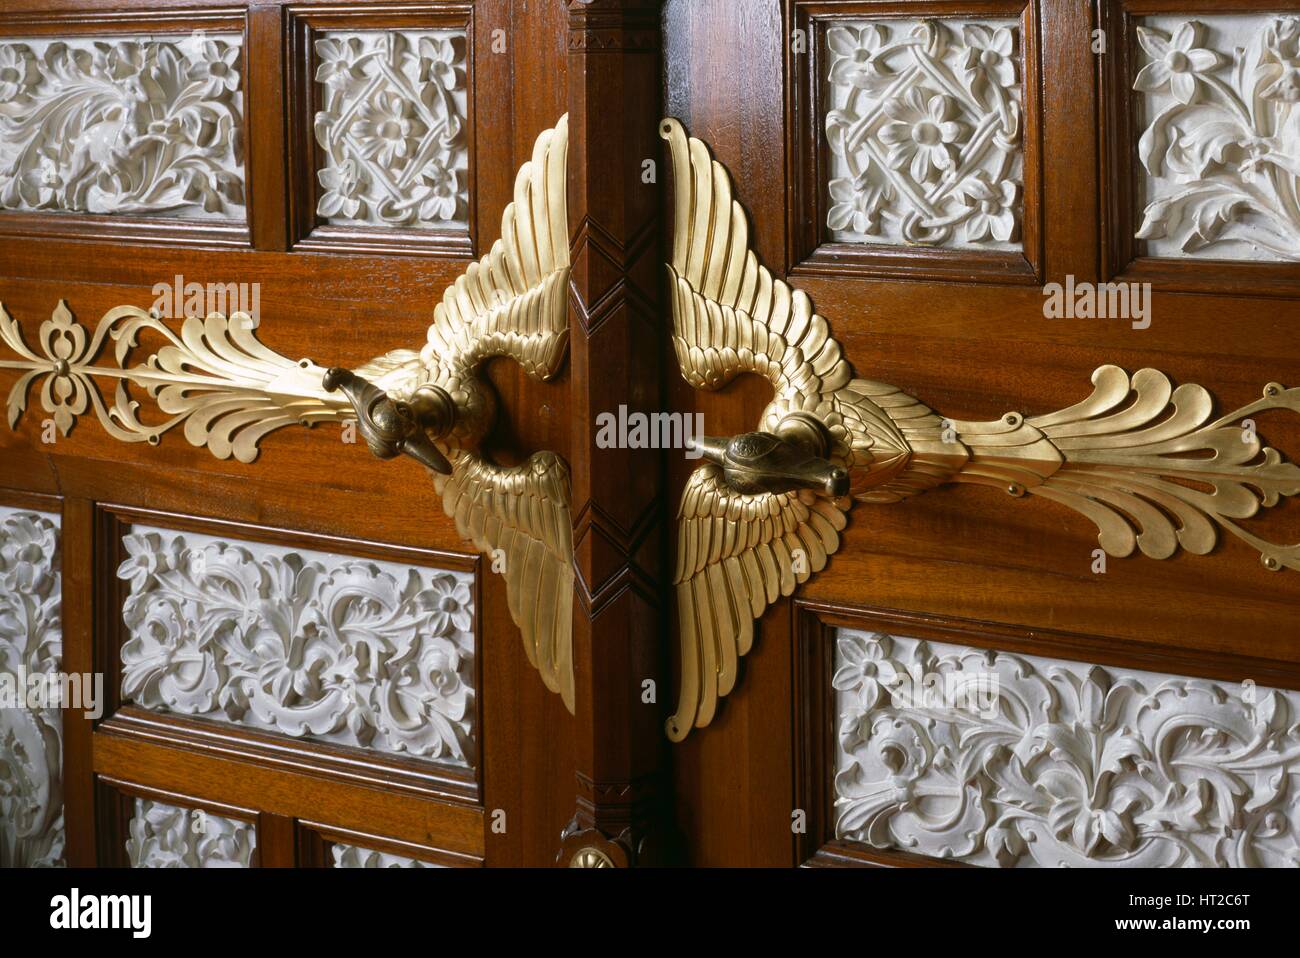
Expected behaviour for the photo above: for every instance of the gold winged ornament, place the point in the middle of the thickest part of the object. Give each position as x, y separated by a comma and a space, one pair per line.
229, 391
1148, 463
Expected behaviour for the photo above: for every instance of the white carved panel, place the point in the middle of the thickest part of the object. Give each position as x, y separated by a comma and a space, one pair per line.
1012, 760
165, 836
145, 126
923, 119
392, 129
1218, 104
31, 644
351, 856
365, 653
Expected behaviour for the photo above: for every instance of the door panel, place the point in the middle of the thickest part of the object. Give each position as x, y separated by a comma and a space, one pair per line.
966, 331
438, 103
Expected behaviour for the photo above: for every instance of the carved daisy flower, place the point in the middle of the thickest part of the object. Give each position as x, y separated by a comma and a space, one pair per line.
857, 203
215, 67
989, 54
450, 602
857, 57
18, 71
437, 61
1281, 67
443, 197
344, 189
995, 208
1177, 66
337, 58
387, 128
921, 132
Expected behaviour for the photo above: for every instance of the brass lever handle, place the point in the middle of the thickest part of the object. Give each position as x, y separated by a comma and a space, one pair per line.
792, 457
392, 427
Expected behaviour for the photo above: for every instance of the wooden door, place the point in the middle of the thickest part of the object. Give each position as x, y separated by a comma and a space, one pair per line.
306, 660
1078, 138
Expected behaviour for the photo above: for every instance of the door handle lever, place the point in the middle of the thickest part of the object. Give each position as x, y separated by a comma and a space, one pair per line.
792, 457
391, 427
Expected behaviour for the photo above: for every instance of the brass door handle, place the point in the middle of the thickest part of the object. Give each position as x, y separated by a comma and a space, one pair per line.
791, 457
1148, 463
392, 427
228, 391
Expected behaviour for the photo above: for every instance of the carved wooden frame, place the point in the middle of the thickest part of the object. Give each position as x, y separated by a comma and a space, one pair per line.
1123, 257
304, 154
108, 228
810, 250
415, 776
813, 628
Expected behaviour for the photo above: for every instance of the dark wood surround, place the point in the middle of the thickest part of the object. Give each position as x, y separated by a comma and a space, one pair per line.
962, 331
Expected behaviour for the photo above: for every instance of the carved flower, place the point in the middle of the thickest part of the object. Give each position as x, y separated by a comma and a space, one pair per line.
1177, 66
1281, 67
443, 197
437, 61
66, 392
388, 128
865, 668
425, 699
28, 546
216, 66
858, 57
994, 208
921, 132
337, 68
989, 55
857, 203
18, 71
345, 185
450, 603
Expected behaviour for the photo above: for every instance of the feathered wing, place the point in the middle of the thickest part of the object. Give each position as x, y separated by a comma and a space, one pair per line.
513, 302
520, 516
735, 557
737, 554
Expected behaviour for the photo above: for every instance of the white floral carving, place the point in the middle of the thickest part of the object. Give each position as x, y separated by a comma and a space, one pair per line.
123, 126
31, 643
1071, 765
371, 654
1220, 110
924, 127
392, 129
165, 836
350, 856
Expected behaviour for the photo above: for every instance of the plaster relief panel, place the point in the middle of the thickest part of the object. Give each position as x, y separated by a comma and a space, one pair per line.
31, 733
997, 759
371, 654
143, 126
1218, 107
166, 836
394, 149
924, 125
352, 856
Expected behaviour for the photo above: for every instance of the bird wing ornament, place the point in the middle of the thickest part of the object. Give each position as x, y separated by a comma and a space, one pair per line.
229, 391
1148, 463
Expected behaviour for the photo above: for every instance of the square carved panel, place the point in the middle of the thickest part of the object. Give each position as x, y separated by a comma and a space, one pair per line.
915, 143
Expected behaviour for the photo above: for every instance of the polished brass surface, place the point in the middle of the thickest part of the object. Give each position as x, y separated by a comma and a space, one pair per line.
229, 391
1148, 463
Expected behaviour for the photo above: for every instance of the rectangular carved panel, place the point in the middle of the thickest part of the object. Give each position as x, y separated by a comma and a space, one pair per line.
1218, 113
124, 125
353, 856
924, 125
367, 653
990, 758
168, 836
394, 148
31, 646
